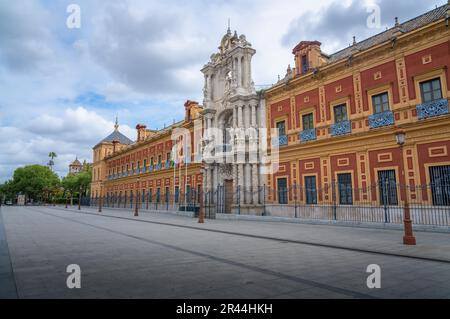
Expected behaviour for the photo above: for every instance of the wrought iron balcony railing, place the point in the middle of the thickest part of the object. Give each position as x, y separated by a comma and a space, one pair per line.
432, 109
381, 119
341, 128
308, 135
283, 140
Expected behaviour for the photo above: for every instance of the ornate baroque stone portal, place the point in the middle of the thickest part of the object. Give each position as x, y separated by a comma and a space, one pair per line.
233, 114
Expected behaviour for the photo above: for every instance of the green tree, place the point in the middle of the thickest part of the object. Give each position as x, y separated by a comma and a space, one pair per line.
36, 182
70, 185
73, 184
6, 191
51, 162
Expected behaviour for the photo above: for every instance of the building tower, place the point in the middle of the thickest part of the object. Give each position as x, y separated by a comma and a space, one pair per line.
75, 167
114, 142
233, 113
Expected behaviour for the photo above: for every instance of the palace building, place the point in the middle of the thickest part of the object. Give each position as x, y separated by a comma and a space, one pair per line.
366, 126
338, 116
145, 170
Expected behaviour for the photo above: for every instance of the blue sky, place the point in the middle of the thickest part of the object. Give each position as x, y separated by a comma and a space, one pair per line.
140, 60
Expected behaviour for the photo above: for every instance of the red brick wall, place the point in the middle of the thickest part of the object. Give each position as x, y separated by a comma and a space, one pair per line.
388, 76
414, 65
300, 105
345, 163
347, 91
285, 106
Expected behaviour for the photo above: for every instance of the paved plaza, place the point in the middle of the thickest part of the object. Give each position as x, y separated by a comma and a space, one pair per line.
166, 256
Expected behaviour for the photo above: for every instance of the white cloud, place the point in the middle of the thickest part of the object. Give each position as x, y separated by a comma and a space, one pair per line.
144, 58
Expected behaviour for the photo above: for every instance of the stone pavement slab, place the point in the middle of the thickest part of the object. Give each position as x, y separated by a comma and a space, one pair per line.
430, 245
8, 285
149, 257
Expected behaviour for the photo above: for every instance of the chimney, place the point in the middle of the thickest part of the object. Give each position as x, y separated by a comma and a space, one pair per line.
308, 56
189, 107
114, 143
140, 132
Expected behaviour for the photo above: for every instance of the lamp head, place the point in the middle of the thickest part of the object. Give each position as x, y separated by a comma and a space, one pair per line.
400, 136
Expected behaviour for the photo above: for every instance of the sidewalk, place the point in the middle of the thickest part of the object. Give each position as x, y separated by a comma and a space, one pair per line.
8, 285
385, 241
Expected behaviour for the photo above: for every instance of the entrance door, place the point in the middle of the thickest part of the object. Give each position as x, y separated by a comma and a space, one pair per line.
228, 196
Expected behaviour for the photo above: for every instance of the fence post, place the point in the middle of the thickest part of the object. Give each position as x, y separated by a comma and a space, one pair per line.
333, 191
385, 200
217, 198
239, 199
264, 200
167, 201
295, 199
208, 202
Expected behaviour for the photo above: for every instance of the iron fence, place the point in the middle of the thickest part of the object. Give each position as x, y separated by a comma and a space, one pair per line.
384, 202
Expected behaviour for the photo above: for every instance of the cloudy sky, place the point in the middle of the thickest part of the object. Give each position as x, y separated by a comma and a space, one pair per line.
61, 88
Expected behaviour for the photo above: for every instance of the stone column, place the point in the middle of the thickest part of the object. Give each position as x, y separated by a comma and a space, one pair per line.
240, 116
249, 70
255, 183
239, 72
235, 182
246, 115
254, 109
216, 177
248, 183
241, 182
235, 115
206, 179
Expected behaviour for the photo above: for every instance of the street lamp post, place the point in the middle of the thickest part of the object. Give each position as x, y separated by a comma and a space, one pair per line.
136, 210
79, 199
201, 213
408, 238
100, 203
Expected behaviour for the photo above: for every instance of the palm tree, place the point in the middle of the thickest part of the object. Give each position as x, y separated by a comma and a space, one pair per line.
51, 155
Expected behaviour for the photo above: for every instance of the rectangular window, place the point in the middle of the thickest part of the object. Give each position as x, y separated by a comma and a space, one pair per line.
150, 195
152, 161
311, 190
158, 195
282, 191
431, 90
188, 193
167, 194
308, 121
345, 189
198, 193
145, 163
281, 126
177, 194
305, 66
340, 113
380, 103
388, 187
168, 157
440, 185
159, 159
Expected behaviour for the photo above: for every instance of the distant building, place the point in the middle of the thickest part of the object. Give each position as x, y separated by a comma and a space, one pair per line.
76, 167
119, 163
